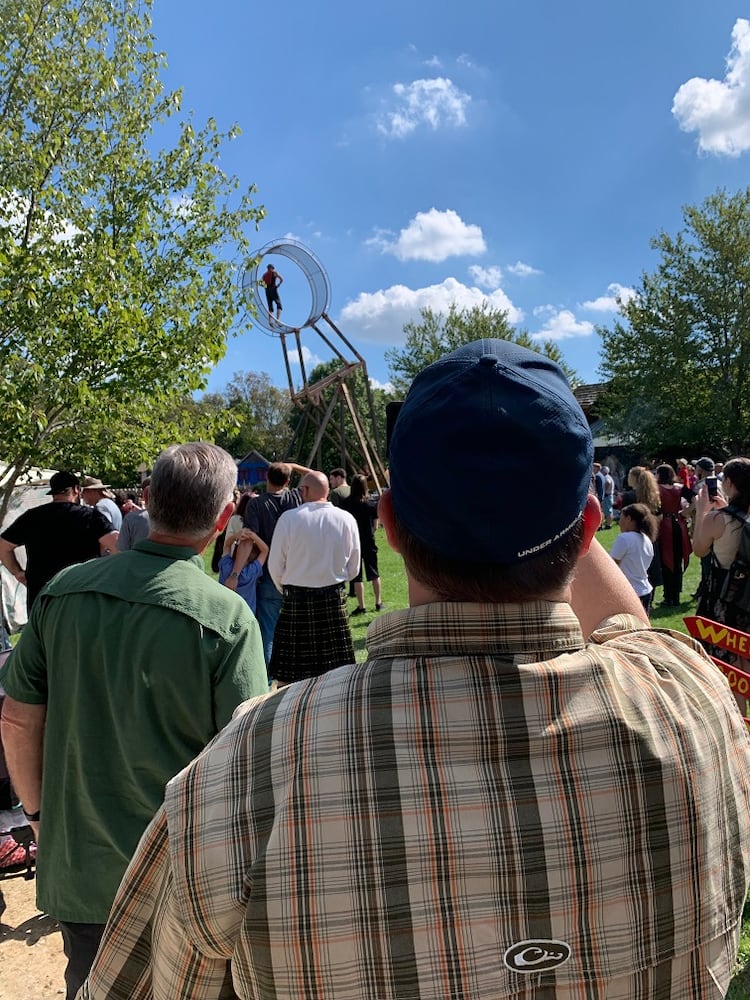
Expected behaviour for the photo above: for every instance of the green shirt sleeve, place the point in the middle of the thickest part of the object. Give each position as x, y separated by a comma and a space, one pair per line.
24, 676
241, 675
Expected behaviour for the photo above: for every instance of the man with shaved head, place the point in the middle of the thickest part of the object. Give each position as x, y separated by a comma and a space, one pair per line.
314, 552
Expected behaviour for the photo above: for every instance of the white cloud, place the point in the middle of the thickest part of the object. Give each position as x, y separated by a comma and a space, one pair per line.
385, 386
466, 61
379, 317
181, 205
437, 103
310, 359
432, 236
608, 303
522, 270
544, 310
14, 208
562, 325
719, 110
433, 62
486, 277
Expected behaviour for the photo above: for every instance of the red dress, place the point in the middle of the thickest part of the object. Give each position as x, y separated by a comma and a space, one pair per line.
674, 541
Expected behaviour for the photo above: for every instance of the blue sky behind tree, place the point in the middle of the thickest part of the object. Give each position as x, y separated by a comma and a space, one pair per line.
428, 153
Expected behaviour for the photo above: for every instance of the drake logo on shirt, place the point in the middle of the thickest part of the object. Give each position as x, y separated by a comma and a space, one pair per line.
537, 956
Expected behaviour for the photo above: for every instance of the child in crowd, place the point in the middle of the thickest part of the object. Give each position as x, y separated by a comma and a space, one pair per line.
248, 575
633, 549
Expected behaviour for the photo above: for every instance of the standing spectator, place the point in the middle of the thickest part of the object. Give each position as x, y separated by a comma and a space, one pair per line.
96, 494
314, 552
515, 796
365, 513
633, 549
608, 500
674, 543
246, 578
598, 482
126, 669
683, 472
340, 489
716, 538
135, 524
261, 516
55, 535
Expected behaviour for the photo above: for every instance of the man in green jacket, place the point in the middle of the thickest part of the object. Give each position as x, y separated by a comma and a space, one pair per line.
127, 668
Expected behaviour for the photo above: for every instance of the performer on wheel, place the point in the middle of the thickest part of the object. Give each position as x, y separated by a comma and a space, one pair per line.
271, 281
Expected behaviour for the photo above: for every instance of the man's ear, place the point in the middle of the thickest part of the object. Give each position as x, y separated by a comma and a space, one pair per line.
592, 519
223, 519
385, 515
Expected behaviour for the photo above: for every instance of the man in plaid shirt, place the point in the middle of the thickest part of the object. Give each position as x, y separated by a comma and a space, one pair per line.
524, 792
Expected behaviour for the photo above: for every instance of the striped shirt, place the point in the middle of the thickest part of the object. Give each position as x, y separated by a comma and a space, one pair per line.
488, 807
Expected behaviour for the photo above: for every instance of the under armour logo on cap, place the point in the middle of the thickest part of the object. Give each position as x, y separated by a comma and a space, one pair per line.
536, 956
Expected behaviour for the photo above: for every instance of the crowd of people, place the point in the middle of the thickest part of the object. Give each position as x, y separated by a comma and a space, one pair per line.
688, 510
524, 791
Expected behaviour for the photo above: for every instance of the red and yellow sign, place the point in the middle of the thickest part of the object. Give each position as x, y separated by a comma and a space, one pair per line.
733, 641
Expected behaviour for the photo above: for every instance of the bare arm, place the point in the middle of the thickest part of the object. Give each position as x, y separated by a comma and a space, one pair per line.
599, 590
22, 731
262, 547
8, 559
707, 526
108, 543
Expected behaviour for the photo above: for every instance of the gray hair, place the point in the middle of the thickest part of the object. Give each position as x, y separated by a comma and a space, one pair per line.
190, 486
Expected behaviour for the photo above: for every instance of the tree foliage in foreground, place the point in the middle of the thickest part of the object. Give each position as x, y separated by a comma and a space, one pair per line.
116, 281
438, 334
679, 356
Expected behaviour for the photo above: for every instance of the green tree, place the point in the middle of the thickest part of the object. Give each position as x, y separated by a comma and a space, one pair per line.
115, 257
437, 334
678, 357
330, 447
258, 415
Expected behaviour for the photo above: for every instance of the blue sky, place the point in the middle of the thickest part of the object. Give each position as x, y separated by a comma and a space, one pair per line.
427, 153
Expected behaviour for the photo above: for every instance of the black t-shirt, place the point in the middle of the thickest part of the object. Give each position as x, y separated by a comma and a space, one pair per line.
262, 513
56, 535
365, 513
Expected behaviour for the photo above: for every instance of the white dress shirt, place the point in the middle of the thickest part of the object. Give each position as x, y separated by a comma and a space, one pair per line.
315, 545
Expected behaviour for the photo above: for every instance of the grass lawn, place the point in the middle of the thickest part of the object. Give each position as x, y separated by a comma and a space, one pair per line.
395, 596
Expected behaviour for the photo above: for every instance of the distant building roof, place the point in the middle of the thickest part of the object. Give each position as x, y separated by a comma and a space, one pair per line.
587, 395
253, 458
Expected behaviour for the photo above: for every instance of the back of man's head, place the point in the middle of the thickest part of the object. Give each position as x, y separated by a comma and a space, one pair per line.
496, 406
190, 486
279, 473
316, 486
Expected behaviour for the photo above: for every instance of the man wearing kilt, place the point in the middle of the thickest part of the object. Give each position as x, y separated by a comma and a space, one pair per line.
314, 552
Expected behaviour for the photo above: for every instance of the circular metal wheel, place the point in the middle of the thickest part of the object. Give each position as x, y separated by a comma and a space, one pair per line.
314, 272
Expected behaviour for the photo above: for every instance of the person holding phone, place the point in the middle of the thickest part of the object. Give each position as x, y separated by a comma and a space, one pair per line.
719, 518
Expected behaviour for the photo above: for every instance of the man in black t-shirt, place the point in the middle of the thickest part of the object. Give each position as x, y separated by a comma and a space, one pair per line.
261, 515
55, 535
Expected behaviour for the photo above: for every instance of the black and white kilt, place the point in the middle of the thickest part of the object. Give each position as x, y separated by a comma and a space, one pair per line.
312, 634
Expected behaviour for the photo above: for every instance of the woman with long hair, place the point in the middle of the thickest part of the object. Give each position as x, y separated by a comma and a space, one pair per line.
718, 525
674, 542
365, 513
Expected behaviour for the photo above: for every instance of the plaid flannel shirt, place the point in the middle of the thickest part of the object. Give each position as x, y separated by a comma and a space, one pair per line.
489, 807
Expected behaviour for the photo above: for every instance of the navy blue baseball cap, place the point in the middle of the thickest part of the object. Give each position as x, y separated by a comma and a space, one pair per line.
505, 420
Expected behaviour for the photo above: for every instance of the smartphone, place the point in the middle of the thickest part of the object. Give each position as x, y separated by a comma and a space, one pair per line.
712, 485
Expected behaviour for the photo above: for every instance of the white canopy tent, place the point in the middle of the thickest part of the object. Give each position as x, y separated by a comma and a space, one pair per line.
30, 491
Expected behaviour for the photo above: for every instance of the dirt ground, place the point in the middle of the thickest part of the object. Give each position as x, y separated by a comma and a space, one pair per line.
31, 955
